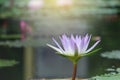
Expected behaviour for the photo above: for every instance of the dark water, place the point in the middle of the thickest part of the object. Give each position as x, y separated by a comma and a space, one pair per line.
14, 72
50, 65
109, 30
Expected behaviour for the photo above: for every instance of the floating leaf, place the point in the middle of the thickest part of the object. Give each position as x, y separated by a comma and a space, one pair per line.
115, 54
7, 63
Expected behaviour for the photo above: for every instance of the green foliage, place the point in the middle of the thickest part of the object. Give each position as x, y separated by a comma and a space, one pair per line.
92, 52
15, 36
15, 10
3, 1
10, 12
7, 63
80, 7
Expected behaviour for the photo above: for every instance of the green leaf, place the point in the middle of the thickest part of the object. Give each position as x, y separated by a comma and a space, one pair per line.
7, 63
75, 58
92, 52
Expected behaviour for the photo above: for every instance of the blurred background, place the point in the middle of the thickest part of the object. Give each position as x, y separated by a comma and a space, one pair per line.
26, 26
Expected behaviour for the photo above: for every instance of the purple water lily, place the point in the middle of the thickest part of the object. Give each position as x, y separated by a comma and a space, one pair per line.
74, 45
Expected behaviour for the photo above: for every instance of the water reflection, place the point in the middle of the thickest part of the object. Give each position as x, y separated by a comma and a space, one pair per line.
108, 28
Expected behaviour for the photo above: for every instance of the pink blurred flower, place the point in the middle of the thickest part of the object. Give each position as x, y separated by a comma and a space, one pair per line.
25, 28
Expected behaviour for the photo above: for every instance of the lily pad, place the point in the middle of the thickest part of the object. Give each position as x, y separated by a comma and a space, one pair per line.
7, 63
25, 43
115, 54
107, 77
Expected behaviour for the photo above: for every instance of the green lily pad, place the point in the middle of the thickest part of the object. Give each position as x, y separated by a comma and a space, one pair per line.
7, 63
115, 54
107, 77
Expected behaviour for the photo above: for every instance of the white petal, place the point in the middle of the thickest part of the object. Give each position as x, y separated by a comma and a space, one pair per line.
87, 42
92, 47
55, 48
57, 44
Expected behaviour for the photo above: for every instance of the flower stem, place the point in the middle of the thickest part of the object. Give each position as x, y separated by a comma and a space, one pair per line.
74, 71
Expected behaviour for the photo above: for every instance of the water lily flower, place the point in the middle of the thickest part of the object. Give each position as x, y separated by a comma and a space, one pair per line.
74, 47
